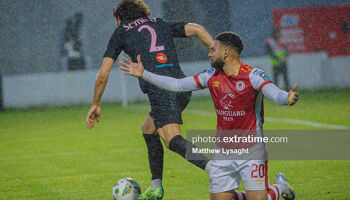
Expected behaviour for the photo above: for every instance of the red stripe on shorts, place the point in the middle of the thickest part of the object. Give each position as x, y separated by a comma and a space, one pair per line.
266, 177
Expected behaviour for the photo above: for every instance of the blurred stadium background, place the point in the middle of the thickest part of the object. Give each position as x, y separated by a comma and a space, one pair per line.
47, 153
33, 37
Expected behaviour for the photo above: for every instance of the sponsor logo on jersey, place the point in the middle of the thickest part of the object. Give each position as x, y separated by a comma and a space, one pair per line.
226, 101
229, 113
216, 84
240, 85
161, 57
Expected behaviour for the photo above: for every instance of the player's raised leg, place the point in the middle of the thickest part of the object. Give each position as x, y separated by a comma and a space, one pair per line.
171, 135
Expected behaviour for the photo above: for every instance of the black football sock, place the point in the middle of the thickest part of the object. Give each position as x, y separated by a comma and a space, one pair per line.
178, 145
155, 155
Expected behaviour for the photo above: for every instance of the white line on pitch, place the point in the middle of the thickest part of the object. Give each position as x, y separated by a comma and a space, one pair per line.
269, 119
307, 123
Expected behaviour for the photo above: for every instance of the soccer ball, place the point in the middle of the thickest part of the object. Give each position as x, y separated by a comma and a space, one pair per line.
126, 189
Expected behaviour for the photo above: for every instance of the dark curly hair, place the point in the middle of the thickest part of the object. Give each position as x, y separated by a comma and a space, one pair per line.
231, 39
131, 9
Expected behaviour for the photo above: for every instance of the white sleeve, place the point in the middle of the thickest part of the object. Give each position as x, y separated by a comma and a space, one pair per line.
171, 84
202, 78
272, 92
259, 79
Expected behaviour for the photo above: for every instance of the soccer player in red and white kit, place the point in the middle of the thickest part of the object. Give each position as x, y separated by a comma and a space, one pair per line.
239, 89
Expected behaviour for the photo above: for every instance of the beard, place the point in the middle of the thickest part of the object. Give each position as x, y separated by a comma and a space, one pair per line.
218, 63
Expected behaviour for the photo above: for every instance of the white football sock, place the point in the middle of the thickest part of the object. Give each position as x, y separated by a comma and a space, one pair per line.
156, 183
275, 191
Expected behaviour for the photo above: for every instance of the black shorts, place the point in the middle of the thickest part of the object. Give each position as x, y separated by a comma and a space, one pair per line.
167, 107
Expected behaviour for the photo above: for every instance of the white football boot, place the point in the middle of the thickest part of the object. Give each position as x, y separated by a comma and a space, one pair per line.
289, 194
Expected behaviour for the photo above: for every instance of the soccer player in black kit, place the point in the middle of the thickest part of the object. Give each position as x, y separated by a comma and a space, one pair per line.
137, 34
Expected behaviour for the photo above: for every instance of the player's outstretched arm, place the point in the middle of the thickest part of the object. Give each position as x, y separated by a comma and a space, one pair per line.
272, 92
100, 85
163, 82
200, 32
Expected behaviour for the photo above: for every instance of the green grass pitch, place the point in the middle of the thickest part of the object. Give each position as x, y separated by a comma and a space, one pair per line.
48, 153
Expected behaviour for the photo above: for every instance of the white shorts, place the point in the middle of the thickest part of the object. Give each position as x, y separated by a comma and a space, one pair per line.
225, 175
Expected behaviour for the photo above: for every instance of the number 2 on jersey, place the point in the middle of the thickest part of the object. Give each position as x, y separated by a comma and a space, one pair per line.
153, 33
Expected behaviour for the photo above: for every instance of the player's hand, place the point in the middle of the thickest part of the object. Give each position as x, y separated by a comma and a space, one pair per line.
131, 68
94, 114
292, 96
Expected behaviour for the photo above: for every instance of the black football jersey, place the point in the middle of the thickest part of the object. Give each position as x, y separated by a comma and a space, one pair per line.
153, 40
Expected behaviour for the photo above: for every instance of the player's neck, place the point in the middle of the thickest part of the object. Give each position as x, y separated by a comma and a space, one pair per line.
232, 67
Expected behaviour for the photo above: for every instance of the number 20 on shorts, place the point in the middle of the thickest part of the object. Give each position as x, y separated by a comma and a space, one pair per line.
258, 170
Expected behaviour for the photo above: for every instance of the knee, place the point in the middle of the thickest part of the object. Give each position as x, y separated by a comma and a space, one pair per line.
214, 197
147, 128
167, 134
221, 196
166, 142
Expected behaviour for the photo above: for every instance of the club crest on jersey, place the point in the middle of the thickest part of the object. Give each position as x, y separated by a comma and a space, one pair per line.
240, 85
161, 57
226, 101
